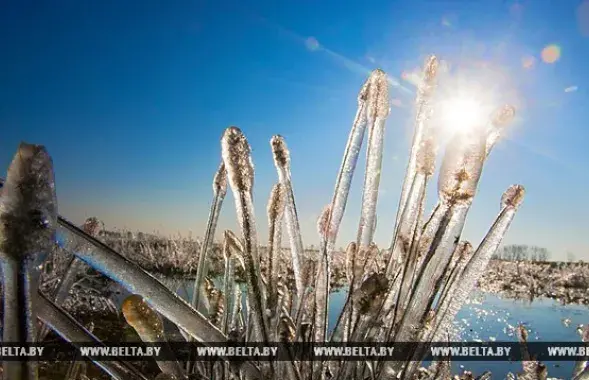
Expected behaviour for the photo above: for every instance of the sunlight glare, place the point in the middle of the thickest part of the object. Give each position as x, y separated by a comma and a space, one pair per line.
460, 114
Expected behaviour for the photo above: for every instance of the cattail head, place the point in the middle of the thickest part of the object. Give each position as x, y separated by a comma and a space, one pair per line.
363, 94
323, 226
462, 167
233, 247
143, 319
503, 115
514, 196
237, 158
429, 77
501, 118
217, 302
276, 203
29, 202
220, 181
378, 95
91, 226
426, 156
280, 152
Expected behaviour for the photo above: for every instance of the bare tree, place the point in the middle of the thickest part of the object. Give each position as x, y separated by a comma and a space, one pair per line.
570, 257
521, 252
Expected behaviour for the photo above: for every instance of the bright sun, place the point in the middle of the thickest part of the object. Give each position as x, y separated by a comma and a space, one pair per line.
460, 114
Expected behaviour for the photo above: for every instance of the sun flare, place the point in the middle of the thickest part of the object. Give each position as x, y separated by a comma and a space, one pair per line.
460, 114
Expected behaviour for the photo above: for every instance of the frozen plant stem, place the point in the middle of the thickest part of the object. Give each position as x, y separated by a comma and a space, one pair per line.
459, 175
219, 191
275, 210
476, 266
454, 279
424, 110
28, 214
240, 169
340, 199
137, 281
233, 252
377, 112
75, 267
149, 326
72, 331
282, 163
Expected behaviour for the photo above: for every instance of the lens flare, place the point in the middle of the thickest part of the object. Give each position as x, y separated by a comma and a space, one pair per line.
551, 53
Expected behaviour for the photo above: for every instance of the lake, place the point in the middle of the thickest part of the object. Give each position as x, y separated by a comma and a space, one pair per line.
487, 317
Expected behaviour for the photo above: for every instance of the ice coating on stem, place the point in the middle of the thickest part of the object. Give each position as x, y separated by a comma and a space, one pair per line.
501, 118
150, 328
28, 215
460, 258
75, 266
461, 168
72, 331
441, 320
240, 169
425, 288
233, 253
476, 266
228, 284
282, 162
346, 173
377, 112
219, 191
424, 109
137, 281
275, 210
322, 287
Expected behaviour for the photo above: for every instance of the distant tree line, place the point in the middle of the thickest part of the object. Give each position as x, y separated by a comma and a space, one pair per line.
522, 252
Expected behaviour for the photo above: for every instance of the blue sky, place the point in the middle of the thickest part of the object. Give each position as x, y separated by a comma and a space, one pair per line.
132, 97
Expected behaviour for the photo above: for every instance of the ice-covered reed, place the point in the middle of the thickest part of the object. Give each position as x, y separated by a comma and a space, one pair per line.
410, 294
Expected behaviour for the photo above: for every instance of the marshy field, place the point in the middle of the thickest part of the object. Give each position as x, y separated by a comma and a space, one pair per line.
86, 284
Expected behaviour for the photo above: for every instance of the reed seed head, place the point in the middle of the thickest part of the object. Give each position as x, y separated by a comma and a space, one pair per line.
280, 152
276, 203
220, 181
378, 95
28, 204
323, 221
237, 158
143, 319
503, 116
513, 196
